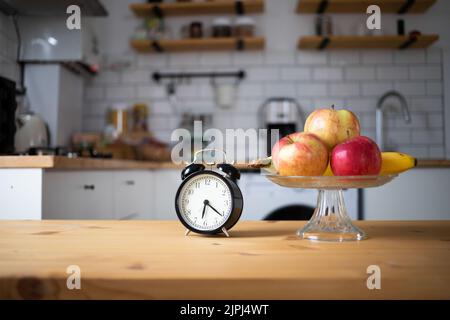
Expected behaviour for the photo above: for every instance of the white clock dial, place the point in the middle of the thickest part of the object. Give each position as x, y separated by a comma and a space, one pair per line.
205, 202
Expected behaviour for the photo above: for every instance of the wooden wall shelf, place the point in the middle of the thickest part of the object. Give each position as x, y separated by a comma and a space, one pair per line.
360, 6
197, 8
366, 42
205, 44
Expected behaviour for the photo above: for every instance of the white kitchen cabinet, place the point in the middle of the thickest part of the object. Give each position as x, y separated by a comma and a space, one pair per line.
166, 186
78, 195
419, 194
133, 195
20, 193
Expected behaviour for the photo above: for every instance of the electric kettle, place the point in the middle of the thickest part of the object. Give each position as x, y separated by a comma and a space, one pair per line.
31, 130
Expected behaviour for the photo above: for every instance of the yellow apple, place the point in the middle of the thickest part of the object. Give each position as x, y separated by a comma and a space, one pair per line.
333, 126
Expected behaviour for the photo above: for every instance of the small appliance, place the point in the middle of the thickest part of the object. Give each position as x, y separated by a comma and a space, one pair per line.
282, 114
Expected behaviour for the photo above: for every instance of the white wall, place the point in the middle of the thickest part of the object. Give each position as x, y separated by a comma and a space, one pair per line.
56, 94
353, 79
70, 101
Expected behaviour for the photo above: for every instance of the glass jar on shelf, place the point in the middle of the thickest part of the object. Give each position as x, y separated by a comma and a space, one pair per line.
196, 29
221, 28
244, 27
157, 29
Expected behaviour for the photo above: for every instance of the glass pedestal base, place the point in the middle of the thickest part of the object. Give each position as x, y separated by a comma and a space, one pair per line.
330, 221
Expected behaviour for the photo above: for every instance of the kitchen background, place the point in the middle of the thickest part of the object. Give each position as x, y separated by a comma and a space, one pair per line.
354, 79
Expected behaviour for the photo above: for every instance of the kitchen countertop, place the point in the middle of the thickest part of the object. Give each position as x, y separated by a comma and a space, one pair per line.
64, 163
433, 163
261, 260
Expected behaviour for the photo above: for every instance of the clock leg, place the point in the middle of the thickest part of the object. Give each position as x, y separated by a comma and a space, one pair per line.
187, 232
225, 232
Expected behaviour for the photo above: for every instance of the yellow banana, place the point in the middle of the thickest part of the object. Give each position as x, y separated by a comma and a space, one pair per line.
328, 172
391, 163
396, 162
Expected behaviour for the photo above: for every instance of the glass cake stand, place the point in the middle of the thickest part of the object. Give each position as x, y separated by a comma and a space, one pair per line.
330, 221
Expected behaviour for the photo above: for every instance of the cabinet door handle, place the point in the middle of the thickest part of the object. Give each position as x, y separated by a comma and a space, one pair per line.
129, 182
89, 187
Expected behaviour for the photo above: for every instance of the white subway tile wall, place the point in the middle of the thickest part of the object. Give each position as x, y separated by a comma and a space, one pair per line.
360, 73
351, 79
392, 73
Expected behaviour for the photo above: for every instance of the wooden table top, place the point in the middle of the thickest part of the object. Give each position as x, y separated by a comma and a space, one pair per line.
261, 260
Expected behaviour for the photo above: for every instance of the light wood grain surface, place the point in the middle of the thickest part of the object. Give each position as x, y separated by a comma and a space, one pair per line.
202, 44
196, 7
433, 163
64, 163
366, 42
261, 260
360, 6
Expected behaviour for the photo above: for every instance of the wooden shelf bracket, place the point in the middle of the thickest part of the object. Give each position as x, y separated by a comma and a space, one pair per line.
322, 7
239, 7
324, 43
408, 43
157, 47
405, 8
157, 12
240, 45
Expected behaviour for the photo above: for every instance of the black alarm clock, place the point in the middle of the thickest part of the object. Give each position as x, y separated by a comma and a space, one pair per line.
209, 201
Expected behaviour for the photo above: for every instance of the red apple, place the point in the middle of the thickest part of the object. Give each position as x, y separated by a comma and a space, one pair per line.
333, 126
300, 154
356, 157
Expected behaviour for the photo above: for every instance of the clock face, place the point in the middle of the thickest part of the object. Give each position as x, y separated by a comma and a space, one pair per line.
205, 202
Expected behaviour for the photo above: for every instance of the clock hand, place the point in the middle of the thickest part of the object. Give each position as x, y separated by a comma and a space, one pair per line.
205, 203
214, 209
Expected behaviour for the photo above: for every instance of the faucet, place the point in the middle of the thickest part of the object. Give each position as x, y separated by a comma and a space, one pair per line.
380, 114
